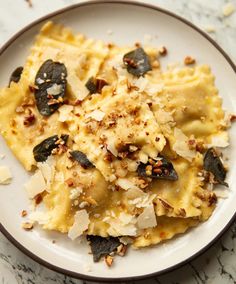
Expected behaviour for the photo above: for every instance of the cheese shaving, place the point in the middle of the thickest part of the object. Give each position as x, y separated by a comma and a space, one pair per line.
81, 223
96, 114
35, 185
126, 184
147, 219
76, 88
54, 90
65, 113
181, 145
5, 175
220, 140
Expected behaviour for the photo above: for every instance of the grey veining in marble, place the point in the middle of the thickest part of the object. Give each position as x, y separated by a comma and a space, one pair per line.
218, 264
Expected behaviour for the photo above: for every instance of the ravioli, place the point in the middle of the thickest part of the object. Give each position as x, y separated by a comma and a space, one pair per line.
120, 152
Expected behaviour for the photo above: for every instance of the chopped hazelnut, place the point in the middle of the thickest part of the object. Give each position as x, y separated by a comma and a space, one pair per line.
29, 119
109, 260
155, 64
69, 182
121, 250
32, 88
108, 157
232, 118
27, 226
163, 51
189, 60
23, 213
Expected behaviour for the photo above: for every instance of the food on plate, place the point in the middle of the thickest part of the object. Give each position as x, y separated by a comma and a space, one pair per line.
119, 150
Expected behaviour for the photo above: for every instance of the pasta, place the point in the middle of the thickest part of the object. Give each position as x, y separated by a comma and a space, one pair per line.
117, 147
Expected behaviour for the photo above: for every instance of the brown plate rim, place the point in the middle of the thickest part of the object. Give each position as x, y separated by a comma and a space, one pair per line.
108, 279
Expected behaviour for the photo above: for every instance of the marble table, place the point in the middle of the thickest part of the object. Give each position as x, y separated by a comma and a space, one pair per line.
218, 264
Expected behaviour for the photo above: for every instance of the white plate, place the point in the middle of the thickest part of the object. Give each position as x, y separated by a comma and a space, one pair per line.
129, 23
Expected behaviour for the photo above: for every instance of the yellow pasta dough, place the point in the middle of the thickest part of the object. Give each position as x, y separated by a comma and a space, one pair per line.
132, 162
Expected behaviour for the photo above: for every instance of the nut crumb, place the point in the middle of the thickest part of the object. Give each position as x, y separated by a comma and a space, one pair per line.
121, 250
189, 60
163, 51
232, 118
27, 226
109, 260
24, 213
29, 2
69, 182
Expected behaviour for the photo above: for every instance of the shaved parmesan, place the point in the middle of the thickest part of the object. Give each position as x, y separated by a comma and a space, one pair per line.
153, 89
181, 146
124, 225
81, 223
75, 192
96, 114
35, 185
126, 240
54, 90
5, 175
220, 140
126, 184
221, 193
111, 147
48, 171
147, 219
76, 88
145, 86
141, 83
65, 113
163, 117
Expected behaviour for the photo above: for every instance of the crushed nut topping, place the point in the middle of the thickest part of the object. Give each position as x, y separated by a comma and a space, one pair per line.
70, 182
163, 51
29, 119
27, 226
109, 260
24, 213
189, 60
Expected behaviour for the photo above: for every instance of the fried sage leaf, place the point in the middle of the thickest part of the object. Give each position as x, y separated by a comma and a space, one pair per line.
81, 158
44, 149
158, 169
16, 74
137, 62
95, 85
213, 164
102, 246
50, 88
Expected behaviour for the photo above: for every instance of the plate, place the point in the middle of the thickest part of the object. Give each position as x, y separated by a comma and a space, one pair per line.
129, 22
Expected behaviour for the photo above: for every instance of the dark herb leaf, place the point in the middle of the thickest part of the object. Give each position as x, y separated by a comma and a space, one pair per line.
213, 164
91, 85
44, 149
51, 75
160, 169
15, 76
82, 159
137, 62
102, 246
95, 85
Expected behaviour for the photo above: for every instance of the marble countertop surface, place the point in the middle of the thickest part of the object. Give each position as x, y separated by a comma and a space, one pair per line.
218, 264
